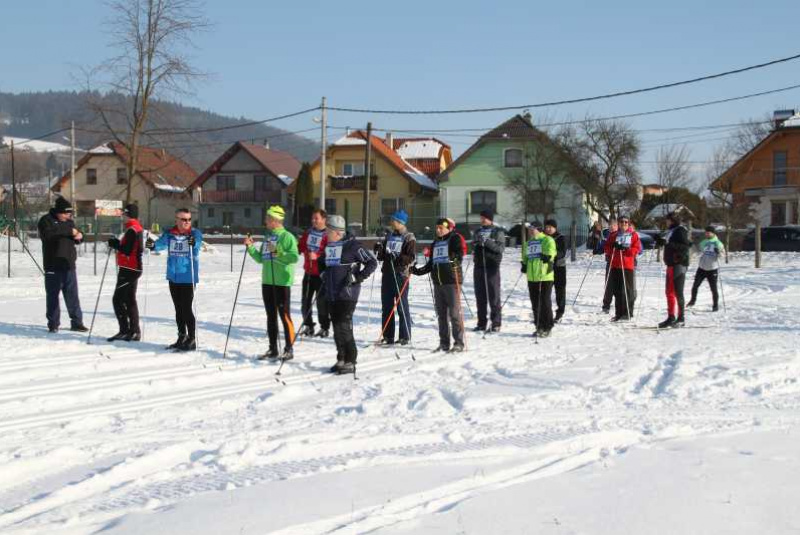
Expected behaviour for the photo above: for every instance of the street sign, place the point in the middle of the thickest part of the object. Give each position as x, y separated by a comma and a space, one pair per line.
108, 208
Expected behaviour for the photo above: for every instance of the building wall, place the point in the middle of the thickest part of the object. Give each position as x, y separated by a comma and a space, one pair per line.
757, 170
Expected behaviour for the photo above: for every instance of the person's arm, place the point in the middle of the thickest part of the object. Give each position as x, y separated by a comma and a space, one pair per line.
425, 269
608, 247
162, 242
561, 247
636, 246
198, 241
498, 244
287, 249
368, 264
255, 253
128, 241
456, 246
408, 253
50, 229
302, 244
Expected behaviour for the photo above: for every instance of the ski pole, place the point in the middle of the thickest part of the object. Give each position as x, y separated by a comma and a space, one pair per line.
460, 289
369, 309
391, 314
194, 293
580, 287
146, 269
722, 291
274, 301
513, 289
235, 299
486, 288
99, 292
406, 314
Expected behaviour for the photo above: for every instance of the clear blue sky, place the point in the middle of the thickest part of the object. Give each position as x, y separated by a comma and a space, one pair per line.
269, 58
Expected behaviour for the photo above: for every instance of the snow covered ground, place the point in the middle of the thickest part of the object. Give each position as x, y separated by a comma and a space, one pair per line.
600, 429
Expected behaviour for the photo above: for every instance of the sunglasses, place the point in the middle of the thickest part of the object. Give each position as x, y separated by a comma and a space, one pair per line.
185, 219
624, 222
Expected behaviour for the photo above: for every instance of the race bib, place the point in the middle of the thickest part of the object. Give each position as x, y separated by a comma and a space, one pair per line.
624, 240
314, 240
710, 250
394, 244
440, 254
179, 246
265, 254
333, 254
486, 233
534, 250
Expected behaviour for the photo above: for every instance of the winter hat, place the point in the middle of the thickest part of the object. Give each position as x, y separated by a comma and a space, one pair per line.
444, 222
336, 222
488, 214
711, 229
401, 217
276, 212
63, 206
551, 223
535, 224
131, 211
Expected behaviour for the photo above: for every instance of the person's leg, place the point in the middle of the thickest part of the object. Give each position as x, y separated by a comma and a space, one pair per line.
306, 298
405, 309
284, 294
336, 321
699, 277
52, 287
268, 296
120, 302
608, 293
175, 293
630, 289
70, 289
478, 281
440, 302
533, 292
672, 302
388, 294
348, 341
323, 312
188, 313
679, 279
546, 312
453, 302
132, 304
713, 278
618, 291
494, 297
561, 289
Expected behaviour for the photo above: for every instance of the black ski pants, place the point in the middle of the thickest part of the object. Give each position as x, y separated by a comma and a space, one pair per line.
342, 319
712, 277
542, 304
56, 283
560, 284
623, 285
312, 286
447, 301
276, 302
182, 297
125, 306
487, 286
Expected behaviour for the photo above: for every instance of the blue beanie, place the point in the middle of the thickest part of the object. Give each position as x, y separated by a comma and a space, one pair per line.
401, 216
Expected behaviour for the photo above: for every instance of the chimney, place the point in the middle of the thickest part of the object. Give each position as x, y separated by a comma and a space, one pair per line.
527, 116
390, 140
347, 131
266, 143
780, 116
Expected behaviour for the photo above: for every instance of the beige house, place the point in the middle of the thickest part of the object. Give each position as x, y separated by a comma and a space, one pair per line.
160, 186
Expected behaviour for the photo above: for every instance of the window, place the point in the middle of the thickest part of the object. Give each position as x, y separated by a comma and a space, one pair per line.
226, 183
778, 213
482, 200
512, 158
390, 206
330, 206
122, 175
210, 212
353, 169
227, 219
779, 164
91, 177
266, 183
247, 213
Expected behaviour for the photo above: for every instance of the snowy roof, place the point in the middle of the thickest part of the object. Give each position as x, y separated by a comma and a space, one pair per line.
169, 188
349, 140
35, 145
102, 149
791, 122
285, 179
662, 210
420, 149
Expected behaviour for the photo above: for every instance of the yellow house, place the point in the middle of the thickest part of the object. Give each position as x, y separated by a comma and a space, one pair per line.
394, 184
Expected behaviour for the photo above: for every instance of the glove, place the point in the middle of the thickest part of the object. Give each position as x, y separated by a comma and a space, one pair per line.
617, 245
150, 244
414, 270
524, 267
114, 243
377, 247
351, 279
394, 255
191, 240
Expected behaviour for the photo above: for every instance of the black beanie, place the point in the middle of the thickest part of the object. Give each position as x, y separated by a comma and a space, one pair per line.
488, 214
551, 223
131, 211
711, 229
536, 224
63, 206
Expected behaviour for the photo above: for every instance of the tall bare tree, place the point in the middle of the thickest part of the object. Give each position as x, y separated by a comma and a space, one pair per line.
152, 39
748, 135
722, 179
673, 169
606, 156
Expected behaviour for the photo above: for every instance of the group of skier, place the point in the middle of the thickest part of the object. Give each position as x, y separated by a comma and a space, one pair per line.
335, 265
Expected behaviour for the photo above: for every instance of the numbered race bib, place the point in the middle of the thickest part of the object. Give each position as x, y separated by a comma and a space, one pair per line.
394, 244
534, 250
486, 233
333, 254
440, 255
710, 250
265, 254
314, 240
624, 240
179, 246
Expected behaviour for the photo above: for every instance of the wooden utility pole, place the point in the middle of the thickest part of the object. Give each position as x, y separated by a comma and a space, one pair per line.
367, 173
758, 244
72, 172
323, 170
13, 205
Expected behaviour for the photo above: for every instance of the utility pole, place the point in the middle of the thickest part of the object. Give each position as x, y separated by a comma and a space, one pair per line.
322, 164
367, 172
72, 172
13, 205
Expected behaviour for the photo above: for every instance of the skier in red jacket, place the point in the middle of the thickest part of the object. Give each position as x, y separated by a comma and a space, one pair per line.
622, 247
312, 243
129, 260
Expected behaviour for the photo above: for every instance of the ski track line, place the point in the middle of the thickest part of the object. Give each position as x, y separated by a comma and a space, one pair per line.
205, 393
52, 361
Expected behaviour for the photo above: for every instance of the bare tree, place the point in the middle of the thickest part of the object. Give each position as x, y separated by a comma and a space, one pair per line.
673, 169
749, 134
606, 156
152, 39
722, 178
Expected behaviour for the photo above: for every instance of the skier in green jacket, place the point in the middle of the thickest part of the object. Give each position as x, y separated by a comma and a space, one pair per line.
710, 250
538, 253
277, 256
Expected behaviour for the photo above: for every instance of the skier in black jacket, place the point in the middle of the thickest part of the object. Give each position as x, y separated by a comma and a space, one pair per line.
344, 264
59, 237
444, 266
129, 261
488, 244
397, 251
560, 267
677, 244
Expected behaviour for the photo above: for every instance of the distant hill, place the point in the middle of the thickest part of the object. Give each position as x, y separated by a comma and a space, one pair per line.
29, 115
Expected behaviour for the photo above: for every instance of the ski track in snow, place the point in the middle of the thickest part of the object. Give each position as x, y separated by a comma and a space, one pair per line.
92, 433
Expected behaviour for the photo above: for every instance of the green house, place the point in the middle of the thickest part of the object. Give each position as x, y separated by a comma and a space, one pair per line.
517, 171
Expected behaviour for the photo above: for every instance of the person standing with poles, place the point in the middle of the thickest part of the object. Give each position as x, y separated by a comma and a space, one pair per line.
183, 244
676, 257
397, 251
59, 238
344, 264
608, 293
444, 266
560, 267
538, 254
711, 249
488, 244
623, 246
277, 256
129, 260
311, 245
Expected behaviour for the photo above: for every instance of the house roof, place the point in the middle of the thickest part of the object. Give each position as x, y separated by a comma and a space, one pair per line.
416, 148
277, 162
379, 146
663, 210
156, 167
517, 128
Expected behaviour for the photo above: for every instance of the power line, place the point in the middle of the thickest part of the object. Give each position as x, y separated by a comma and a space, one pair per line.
37, 138
164, 131
575, 100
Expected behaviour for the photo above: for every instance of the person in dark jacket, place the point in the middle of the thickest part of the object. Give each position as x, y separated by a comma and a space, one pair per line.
488, 244
59, 237
559, 267
594, 242
312, 243
397, 251
129, 262
344, 265
444, 266
608, 292
677, 244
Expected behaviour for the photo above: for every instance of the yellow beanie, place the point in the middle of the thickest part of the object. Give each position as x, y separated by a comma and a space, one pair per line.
276, 212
